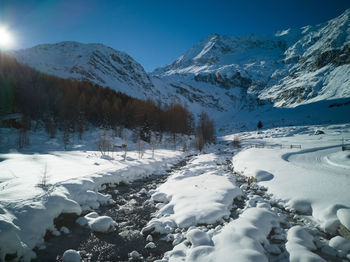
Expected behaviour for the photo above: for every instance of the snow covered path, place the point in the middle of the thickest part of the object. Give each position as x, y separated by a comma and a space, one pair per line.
322, 159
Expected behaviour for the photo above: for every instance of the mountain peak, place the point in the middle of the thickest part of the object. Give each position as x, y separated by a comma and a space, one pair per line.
93, 62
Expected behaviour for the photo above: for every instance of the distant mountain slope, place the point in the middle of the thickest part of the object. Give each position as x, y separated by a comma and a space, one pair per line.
92, 62
221, 74
290, 68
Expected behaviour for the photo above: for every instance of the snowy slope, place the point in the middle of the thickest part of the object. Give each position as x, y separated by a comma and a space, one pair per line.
92, 62
225, 76
289, 68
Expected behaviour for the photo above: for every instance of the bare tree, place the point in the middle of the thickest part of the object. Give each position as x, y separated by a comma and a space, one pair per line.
153, 144
140, 148
200, 141
23, 139
184, 144
44, 178
104, 143
125, 148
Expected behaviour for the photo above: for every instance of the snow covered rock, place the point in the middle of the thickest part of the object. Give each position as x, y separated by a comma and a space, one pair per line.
299, 245
97, 223
344, 217
150, 245
135, 255
199, 238
71, 255
149, 238
340, 243
65, 230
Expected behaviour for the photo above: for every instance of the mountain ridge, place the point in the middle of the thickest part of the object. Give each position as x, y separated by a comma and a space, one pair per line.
92, 62
219, 74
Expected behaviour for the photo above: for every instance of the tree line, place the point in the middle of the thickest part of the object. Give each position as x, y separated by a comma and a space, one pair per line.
72, 105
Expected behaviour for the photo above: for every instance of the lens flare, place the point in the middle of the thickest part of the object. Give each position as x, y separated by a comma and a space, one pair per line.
6, 39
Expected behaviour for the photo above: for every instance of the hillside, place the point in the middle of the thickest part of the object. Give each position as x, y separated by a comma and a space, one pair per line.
289, 68
228, 77
96, 63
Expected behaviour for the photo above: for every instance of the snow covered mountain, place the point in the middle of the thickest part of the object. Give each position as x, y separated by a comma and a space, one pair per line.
289, 68
92, 62
223, 75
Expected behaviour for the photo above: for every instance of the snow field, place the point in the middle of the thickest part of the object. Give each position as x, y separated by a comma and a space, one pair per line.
303, 177
75, 176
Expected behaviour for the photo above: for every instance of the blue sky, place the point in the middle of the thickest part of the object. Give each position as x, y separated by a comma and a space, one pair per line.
156, 32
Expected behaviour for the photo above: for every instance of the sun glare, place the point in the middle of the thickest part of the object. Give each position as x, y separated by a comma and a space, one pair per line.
6, 39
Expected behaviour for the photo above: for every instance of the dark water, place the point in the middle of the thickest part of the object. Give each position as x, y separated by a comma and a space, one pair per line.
130, 212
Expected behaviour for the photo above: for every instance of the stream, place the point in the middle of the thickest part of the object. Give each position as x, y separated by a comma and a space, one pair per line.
131, 211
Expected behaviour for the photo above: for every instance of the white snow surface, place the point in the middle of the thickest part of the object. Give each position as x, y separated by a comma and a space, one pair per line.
74, 178
289, 68
96, 63
313, 180
201, 194
299, 245
241, 239
344, 217
223, 75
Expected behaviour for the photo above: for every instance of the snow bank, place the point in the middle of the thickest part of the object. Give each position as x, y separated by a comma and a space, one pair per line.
241, 239
314, 180
300, 244
344, 217
339, 243
203, 194
74, 179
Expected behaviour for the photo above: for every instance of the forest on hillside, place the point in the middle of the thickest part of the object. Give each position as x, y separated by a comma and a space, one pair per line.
71, 106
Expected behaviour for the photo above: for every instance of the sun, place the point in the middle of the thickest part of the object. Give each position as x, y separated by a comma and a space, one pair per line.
6, 39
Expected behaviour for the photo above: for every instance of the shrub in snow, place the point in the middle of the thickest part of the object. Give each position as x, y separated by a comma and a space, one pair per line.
251, 180
236, 142
71, 255
44, 179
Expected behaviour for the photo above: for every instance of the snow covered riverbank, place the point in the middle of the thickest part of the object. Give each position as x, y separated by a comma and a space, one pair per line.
74, 178
313, 180
206, 209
